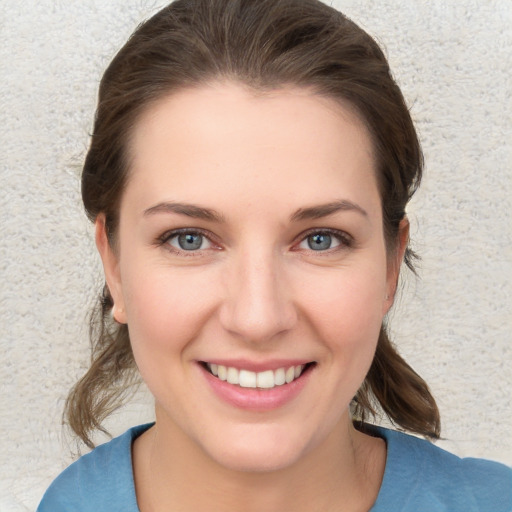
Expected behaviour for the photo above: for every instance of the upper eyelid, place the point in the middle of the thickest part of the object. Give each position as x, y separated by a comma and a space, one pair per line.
174, 232
330, 231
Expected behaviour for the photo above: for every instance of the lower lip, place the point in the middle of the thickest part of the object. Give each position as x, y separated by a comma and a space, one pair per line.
256, 399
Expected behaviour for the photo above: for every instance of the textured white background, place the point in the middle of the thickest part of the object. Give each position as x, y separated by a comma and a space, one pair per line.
453, 61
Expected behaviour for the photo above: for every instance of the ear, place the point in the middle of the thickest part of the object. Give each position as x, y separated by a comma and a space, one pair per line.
110, 262
395, 262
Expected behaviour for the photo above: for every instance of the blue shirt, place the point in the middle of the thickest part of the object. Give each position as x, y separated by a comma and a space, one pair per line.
419, 477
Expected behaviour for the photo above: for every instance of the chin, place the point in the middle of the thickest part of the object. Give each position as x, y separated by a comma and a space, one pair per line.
256, 460
260, 452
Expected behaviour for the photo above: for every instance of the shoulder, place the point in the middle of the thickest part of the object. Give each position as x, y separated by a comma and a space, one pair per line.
100, 480
490, 483
425, 477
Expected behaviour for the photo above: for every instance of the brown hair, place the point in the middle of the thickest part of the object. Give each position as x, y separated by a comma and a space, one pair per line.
264, 44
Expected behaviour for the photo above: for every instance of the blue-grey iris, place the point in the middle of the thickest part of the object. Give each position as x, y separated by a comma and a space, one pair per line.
319, 242
190, 241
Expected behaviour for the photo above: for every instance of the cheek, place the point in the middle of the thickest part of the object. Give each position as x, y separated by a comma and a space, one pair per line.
347, 297
346, 312
165, 312
164, 309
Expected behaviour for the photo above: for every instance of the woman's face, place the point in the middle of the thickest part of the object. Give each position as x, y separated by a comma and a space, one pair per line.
251, 246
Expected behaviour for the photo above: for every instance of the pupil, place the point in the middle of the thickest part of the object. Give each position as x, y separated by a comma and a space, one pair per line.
190, 241
319, 242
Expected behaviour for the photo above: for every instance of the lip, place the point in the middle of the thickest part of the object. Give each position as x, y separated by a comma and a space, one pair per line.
256, 399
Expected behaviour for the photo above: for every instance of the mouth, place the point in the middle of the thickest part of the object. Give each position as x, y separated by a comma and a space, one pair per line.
266, 379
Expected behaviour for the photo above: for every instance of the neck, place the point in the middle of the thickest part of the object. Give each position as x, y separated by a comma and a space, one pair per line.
173, 472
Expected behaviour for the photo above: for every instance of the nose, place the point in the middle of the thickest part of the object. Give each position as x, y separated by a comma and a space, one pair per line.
257, 306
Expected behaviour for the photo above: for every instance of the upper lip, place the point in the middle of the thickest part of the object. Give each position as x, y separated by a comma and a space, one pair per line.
258, 366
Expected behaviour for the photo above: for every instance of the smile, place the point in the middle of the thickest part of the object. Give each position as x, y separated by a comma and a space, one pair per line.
264, 380
257, 387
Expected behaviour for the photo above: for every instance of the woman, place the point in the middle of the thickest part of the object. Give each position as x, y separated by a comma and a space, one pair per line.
248, 175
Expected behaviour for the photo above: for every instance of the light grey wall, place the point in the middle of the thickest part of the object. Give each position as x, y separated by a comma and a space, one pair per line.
453, 60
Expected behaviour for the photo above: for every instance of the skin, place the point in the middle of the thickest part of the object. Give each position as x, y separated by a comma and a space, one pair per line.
255, 291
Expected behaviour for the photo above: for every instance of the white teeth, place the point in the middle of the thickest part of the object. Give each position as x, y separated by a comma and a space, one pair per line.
263, 380
279, 377
247, 379
232, 375
222, 372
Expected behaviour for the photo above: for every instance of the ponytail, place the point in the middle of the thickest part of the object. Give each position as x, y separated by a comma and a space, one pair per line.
401, 393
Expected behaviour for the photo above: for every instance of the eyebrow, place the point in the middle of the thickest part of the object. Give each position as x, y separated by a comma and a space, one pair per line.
323, 210
190, 210
199, 212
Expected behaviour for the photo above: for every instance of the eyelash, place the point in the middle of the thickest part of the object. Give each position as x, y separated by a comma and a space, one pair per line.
164, 240
345, 240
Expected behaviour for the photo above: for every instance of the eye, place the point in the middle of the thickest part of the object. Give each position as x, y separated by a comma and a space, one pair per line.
188, 241
320, 241
324, 240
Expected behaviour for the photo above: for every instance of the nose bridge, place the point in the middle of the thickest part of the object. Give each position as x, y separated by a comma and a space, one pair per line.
257, 306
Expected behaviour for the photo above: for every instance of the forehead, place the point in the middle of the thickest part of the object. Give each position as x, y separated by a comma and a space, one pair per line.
231, 106
210, 140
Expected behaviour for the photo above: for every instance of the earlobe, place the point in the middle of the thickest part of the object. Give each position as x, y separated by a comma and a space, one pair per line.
110, 262
395, 262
